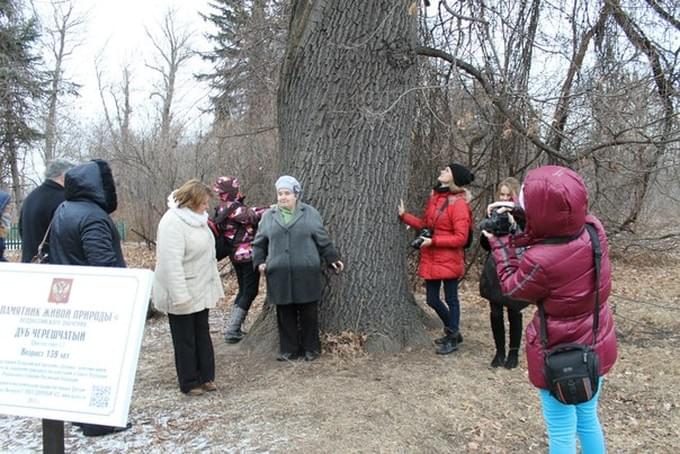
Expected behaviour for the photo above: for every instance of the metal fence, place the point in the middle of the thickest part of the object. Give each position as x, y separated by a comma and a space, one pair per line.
13, 240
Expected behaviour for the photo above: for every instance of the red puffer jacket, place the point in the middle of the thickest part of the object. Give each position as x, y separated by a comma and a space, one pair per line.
450, 217
561, 276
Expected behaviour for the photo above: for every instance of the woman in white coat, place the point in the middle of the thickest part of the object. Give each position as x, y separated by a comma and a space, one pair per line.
187, 284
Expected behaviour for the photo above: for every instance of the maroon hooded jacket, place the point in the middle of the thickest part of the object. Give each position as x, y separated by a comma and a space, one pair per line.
450, 217
561, 276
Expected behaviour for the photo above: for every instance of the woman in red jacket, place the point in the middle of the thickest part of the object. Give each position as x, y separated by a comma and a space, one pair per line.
561, 277
447, 215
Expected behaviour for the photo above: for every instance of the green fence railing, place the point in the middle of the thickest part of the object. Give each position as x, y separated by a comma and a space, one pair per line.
13, 239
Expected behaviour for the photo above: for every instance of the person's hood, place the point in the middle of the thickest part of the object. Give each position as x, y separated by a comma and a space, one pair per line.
92, 181
228, 189
4, 200
555, 203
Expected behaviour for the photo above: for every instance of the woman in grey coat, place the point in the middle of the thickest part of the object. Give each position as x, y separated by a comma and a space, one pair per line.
290, 243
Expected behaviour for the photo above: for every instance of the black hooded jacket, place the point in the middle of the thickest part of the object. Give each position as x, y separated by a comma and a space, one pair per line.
82, 232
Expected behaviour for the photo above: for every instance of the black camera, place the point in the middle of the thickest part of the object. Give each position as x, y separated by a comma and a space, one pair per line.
424, 233
498, 223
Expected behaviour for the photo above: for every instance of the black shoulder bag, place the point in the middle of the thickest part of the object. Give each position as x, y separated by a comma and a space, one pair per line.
572, 370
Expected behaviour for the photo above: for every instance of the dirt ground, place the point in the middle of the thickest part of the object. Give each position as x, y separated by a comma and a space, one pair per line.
414, 401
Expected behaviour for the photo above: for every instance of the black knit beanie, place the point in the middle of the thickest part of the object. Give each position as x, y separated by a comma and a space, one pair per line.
461, 175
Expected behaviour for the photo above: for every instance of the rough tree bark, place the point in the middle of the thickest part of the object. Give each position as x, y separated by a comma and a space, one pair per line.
345, 110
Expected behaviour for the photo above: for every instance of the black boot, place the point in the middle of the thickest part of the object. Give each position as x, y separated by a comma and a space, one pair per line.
450, 344
441, 340
512, 360
498, 360
498, 332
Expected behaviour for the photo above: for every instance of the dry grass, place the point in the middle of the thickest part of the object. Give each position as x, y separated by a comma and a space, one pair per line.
415, 401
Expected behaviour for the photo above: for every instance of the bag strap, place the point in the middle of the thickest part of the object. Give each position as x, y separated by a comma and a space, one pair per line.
562, 239
597, 257
47, 234
441, 211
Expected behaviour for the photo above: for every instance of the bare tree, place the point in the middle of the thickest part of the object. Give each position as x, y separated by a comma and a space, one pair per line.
509, 67
153, 157
61, 44
173, 50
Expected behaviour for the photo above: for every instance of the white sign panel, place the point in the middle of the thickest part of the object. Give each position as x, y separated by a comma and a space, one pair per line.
70, 338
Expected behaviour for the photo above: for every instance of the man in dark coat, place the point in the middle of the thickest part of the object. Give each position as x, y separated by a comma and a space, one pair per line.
83, 233
38, 209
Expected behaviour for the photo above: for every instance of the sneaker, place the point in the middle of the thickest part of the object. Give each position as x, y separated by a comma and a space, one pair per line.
449, 346
197, 391
209, 386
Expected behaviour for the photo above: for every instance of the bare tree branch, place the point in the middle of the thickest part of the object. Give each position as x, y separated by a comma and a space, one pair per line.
511, 117
664, 14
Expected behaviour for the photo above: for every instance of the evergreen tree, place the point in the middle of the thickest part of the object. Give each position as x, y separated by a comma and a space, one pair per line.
248, 46
21, 87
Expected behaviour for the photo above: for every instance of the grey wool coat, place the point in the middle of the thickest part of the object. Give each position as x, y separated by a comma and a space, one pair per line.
293, 254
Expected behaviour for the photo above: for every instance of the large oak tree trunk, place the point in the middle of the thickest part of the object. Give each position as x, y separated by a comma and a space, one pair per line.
345, 114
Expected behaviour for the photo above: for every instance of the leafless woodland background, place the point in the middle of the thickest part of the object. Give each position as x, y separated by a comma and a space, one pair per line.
503, 87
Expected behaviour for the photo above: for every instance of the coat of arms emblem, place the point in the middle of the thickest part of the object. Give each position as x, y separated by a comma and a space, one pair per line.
60, 290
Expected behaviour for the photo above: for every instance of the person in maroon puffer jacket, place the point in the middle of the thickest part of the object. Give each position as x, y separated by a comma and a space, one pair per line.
442, 257
561, 277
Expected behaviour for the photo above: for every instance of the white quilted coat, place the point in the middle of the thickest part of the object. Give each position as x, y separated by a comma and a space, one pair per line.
186, 277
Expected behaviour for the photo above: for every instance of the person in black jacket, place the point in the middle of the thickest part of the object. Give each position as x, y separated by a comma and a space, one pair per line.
38, 209
489, 288
83, 233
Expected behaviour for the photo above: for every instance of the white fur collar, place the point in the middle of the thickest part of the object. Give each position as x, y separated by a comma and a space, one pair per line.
191, 217
186, 214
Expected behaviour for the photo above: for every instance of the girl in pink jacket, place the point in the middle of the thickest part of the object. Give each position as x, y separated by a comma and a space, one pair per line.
561, 277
